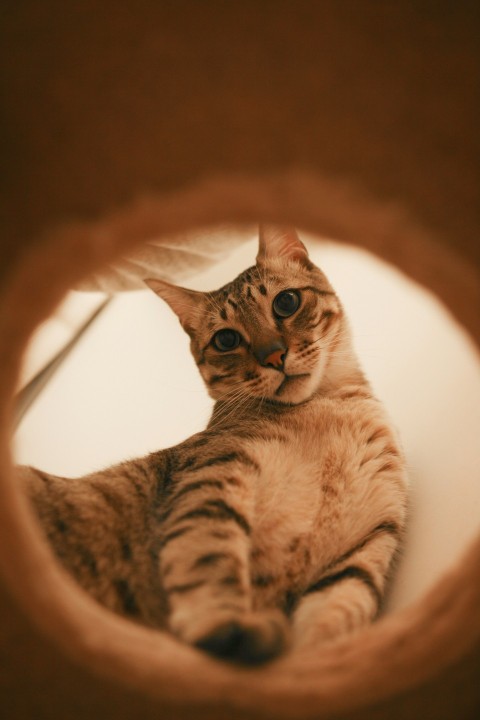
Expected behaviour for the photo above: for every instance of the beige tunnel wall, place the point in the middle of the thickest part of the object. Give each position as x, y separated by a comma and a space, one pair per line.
126, 121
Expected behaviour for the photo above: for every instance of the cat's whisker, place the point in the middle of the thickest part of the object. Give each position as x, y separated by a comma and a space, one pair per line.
230, 403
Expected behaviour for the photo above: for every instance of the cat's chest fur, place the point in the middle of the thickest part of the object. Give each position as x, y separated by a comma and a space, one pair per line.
312, 496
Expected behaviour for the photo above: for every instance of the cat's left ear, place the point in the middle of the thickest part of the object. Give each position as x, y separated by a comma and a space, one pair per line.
185, 303
281, 242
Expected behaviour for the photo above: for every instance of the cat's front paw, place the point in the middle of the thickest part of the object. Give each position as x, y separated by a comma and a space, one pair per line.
249, 639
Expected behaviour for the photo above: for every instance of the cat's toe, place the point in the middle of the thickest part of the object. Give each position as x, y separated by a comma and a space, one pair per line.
249, 640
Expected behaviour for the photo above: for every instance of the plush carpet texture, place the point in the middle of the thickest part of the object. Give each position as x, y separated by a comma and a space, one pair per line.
139, 121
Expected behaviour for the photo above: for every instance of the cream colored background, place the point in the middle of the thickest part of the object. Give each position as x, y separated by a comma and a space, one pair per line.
131, 387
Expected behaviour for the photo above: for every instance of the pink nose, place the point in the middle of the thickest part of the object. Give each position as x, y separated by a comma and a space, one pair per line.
270, 353
275, 358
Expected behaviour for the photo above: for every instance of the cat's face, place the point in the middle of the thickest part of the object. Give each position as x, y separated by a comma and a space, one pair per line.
268, 334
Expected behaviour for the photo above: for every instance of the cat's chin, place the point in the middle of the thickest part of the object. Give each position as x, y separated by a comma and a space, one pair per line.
294, 390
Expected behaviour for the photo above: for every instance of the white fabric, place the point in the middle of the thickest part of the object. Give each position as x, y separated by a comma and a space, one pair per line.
175, 258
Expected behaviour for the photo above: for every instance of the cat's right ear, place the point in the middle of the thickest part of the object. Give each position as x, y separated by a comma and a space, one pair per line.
281, 242
184, 303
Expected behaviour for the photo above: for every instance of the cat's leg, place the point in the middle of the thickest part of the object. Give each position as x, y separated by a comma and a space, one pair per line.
205, 566
349, 594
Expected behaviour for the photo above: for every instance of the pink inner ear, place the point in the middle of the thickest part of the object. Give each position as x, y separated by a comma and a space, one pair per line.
293, 249
280, 242
183, 302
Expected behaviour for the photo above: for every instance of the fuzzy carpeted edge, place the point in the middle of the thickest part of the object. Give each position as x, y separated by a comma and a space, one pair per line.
64, 632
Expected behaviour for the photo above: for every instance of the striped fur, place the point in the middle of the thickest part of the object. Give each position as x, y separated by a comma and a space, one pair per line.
279, 523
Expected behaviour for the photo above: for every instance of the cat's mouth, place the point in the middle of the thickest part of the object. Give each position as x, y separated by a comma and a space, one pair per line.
288, 381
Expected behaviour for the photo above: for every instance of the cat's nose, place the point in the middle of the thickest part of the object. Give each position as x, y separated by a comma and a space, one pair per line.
272, 355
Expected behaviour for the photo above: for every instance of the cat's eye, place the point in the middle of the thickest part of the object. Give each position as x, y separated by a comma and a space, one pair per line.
286, 303
225, 340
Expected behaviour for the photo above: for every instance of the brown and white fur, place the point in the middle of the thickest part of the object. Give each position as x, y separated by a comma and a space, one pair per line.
278, 524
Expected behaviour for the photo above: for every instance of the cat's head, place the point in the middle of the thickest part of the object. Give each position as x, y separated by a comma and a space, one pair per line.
267, 334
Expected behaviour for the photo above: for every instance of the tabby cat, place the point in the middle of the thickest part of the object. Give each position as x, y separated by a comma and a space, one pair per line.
277, 525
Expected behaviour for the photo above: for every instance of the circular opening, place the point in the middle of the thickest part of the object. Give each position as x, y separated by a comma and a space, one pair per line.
110, 397
406, 649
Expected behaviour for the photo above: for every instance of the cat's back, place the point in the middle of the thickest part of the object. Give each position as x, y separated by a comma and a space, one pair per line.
103, 529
